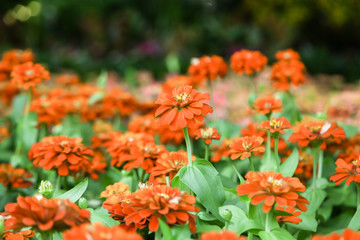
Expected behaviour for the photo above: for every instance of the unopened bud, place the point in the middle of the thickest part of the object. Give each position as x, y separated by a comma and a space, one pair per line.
46, 189
83, 203
226, 214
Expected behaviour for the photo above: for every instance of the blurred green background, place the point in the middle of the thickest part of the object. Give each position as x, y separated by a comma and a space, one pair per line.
163, 35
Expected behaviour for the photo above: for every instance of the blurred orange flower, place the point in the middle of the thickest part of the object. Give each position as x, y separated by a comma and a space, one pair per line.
4, 133
143, 124
182, 108
348, 234
14, 177
50, 111
22, 235
221, 151
276, 125
270, 187
120, 100
42, 214
207, 67
285, 73
61, 153
67, 79
12, 58
28, 75
244, 147
98, 231
224, 235
207, 134
287, 55
267, 105
248, 62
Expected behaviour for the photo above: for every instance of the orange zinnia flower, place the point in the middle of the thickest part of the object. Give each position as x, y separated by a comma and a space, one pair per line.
50, 111
169, 164
276, 126
267, 105
98, 231
207, 134
207, 67
143, 124
224, 235
248, 62
304, 170
22, 235
176, 81
148, 204
221, 151
175, 137
270, 188
67, 79
245, 147
316, 131
28, 75
122, 101
289, 219
64, 154
14, 177
348, 234
182, 108
346, 170
287, 55
13, 58
104, 139
42, 214
285, 73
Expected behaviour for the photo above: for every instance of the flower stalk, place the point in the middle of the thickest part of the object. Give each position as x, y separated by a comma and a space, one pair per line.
188, 145
276, 150
207, 152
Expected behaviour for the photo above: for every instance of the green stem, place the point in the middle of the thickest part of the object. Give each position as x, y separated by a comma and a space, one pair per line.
168, 181
321, 160
267, 221
315, 151
117, 121
226, 225
158, 235
188, 145
251, 164
268, 148
20, 143
358, 195
276, 149
43, 131
57, 185
237, 173
252, 84
207, 152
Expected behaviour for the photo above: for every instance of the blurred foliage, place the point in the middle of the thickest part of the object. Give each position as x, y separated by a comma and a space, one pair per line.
130, 34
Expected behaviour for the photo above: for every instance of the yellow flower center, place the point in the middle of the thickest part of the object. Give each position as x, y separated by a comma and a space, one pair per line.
64, 143
29, 72
276, 124
181, 97
275, 182
247, 145
207, 133
268, 105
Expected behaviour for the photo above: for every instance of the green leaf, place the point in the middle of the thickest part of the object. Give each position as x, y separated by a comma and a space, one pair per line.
289, 166
102, 79
181, 232
101, 215
57, 236
239, 221
26, 130
349, 130
95, 98
315, 198
176, 182
206, 216
281, 213
276, 234
18, 104
203, 227
203, 179
355, 221
225, 128
76, 192
165, 229
308, 223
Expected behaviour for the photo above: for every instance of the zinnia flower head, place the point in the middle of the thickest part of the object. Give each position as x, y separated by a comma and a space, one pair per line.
28, 75
207, 134
50, 110
176, 81
270, 188
316, 132
221, 151
349, 171
148, 204
267, 105
248, 62
245, 147
61, 153
98, 231
42, 214
224, 235
143, 124
182, 108
348, 234
207, 67
12, 58
122, 101
276, 126
67, 79
169, 164
290, 219
14, 177
175, 137
287, 73
304, 170
287, 55
22, 235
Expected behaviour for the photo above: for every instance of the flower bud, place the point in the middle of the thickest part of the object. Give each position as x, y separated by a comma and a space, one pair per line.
226, 214
46, 189
83, 203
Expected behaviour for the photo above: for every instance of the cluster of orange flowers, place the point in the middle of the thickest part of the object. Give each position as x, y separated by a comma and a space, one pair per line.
224, 235
348, 234
144, 207
42, 214
68, 156
14, 177
248, 62
289, 70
